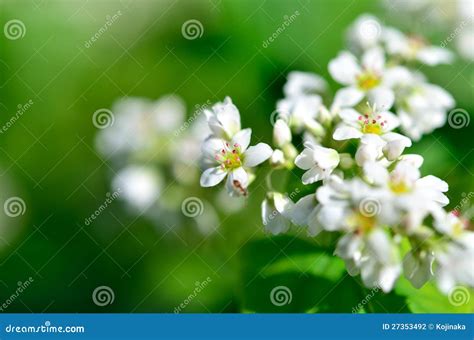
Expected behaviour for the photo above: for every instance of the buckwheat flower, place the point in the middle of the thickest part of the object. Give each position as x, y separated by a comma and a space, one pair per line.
365, 32
454, 264
352, 207
301, 112
372, 128
415, 48
223, 119
281, 133
232, 159
140, 125
277, 213
404, 189
454, 260
366, 79
303, 83
372, 253
422, 107
318, 161
140, 186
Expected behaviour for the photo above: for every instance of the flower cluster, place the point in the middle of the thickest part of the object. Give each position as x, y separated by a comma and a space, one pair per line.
390, 219
153, 152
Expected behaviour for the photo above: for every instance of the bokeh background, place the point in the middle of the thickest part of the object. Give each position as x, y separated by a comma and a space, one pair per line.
48, 156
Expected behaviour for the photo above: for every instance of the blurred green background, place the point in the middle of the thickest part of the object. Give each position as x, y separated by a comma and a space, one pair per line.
48, 158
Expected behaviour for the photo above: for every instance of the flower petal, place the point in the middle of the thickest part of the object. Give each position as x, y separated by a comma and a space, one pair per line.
302, 209
374, 59
257, 154
383, 97
313, 175
344, 68
305, 160
242, 138
346, 132
212, 176
237, 182
348, 96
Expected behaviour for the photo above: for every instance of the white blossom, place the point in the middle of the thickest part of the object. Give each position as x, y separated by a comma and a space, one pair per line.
318, 161
277, 213
415, 48
232, 160
365, 79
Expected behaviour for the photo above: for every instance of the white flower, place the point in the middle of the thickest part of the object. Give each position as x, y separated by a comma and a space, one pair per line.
140, 186
224, 119
277, 213
403, 190
140, 124
422, 107
281, 133
415, 48
278, 158
450, 224
232, 159
365, 32
301, 112
362, 80
374, 255
318, 161
374, 130
352, 207
303, 83
454, 260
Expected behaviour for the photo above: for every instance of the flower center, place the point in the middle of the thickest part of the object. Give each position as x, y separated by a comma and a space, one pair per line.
230, 157
415, 44
368, 80
399, 187
371, 123
362, 223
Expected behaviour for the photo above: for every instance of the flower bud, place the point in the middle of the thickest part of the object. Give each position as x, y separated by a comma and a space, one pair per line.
281, 133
